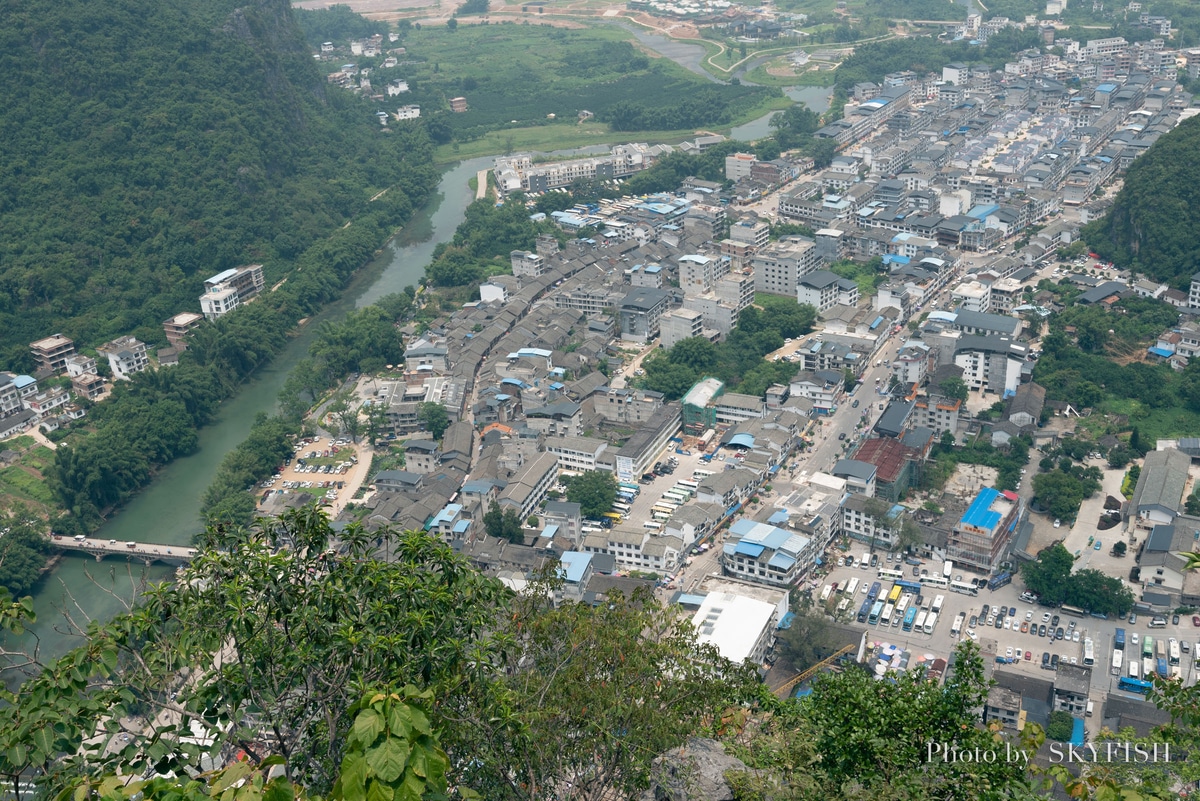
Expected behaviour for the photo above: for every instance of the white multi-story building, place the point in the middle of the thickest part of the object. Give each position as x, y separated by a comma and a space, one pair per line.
227, 290
126, 356
779, 267
578, 454
823, 290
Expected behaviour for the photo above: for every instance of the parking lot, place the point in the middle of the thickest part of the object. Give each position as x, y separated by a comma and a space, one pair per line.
325, 465
996, 642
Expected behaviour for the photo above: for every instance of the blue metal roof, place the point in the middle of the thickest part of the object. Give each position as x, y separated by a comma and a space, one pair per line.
875, 324
1165, 353
574, 564
979, 514
781, 560
742, 440
745, 548
780, 517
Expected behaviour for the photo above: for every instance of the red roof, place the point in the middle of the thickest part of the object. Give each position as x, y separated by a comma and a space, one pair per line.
887, 454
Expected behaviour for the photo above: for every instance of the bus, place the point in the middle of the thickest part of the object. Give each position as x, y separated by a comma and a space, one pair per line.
1117, 657
659, 517
623, 508
1173, 651
876, 609
1002, 580
674, 497
910, 586
947, 569
956, 626
902, 604
652, 525
686, 492
843, 606
686, 482
894, 594
852, 586
1134, 686
613, 516
1147, 647
700, 475
1176, 674
1119, 640
1073, 611
1089, 656
873, 593
1147, 666
886, 573
866, 560
963, 588
930, 622
935, 581
863, 611
666, 508
910, 617
633, 489
1160, 666
825, 593
938, 600
885, 618
1160, 648
919, 623
1133, 668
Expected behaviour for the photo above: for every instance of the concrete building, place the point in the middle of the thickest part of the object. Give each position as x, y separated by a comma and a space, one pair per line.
979, 539
678, 325
178, 327
990, 363
640, 451
740, 627
52, 352
230, 288
779, 266
526, 264
567, 517
972, 296
1158, 496
640, 312
578, 454
823, 290
126, 356
422, 455
766, 554
527, 490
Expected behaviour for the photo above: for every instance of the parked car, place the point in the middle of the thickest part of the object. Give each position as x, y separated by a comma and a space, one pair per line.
1196, 621
1042, 630
1174, 620
1045, 659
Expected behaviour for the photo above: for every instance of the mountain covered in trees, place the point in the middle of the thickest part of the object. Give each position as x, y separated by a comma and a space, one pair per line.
145, 146
1154, 223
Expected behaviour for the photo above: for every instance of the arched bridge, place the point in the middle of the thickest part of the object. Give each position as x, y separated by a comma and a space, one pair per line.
145, 551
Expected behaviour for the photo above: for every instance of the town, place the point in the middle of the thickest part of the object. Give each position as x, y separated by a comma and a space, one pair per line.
928, 254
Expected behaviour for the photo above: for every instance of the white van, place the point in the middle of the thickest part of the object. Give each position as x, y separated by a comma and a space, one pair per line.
1090, 707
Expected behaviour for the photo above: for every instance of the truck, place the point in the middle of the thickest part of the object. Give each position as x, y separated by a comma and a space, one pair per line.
1119, 640
947, 569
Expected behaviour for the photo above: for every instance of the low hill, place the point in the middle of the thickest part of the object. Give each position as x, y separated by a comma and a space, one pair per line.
1154, 223
145, 146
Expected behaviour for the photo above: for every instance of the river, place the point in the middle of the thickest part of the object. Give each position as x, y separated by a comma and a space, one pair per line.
168, 511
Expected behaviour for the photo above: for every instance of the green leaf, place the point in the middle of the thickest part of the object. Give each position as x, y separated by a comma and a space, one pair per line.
109, 658
388, 759
400, 720
378, 791
368, 726
354, 778
43, 740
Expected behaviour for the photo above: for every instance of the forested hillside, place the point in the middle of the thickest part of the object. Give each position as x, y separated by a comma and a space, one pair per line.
145, 146
1154, 224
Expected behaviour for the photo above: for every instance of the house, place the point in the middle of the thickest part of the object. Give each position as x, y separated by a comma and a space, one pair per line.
397, 481
178, 327
639, 452
1163, 566
229, 289
422, 456
126, 356
741, 627
1158, 496
823, 289
859, 476
766, 554
640, 312
52, 352
1025, 408
458, 105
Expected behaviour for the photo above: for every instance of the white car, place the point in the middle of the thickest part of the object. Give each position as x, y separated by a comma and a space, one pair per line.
1045, 617
1008, 652
1133, 638
1029, 615
1075, 637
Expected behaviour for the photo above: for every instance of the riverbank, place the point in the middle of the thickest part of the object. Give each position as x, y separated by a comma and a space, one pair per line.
168, 511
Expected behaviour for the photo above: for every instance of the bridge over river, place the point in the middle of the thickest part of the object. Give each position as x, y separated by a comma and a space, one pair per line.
144, 551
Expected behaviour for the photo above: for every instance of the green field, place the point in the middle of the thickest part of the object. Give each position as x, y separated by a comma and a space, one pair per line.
519, 76
565, 135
